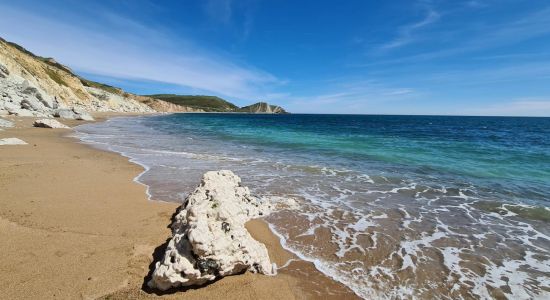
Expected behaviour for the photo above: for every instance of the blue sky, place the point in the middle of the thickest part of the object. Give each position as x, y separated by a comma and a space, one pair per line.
473, 57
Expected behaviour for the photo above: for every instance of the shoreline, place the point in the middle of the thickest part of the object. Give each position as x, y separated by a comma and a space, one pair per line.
77, 216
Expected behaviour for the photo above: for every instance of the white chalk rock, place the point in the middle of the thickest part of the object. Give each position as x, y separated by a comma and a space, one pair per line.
209, 239
12, 141
81, 114
5, 123
65, 114
49, 123
21, 112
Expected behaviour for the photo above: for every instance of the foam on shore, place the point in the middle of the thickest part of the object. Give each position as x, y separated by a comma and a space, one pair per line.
380, 234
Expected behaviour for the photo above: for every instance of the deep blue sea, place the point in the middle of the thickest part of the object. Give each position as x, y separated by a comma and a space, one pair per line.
391, 206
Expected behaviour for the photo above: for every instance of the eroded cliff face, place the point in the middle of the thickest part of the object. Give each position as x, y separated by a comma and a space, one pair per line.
31, 85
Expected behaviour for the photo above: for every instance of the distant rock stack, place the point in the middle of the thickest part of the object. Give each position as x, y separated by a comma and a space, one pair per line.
209, 238
263, 108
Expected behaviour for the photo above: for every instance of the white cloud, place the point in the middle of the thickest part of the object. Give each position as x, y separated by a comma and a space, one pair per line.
127, 49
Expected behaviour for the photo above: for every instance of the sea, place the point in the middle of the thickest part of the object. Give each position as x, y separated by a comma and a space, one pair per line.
394, 207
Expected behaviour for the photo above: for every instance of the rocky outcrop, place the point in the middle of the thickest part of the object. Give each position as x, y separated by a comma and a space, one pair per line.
49, 123
4, 72
64, 114
11, 141
80, 114
31, 85
209, 238
19, 97
263, 108
73, 114
116, 100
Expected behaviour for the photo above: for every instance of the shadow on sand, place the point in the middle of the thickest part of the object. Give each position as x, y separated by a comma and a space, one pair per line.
158, 254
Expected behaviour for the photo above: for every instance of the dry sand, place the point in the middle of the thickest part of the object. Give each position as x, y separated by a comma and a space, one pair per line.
74, 224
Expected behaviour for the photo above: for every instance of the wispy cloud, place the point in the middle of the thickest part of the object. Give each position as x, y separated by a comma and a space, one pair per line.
476, 4
518, 72
479, 37
535, 107
127, 49
526, 56
348, 95
219, 10
406, 33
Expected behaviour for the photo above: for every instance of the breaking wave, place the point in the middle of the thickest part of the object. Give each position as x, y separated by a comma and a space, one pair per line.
392, 208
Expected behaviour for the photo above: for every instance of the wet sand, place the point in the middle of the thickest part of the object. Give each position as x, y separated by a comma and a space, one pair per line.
74, 225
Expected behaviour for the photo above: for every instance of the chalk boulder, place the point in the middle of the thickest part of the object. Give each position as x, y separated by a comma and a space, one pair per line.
209, 239
49, 123
11, 141
81, 114
73, 114
21, 112
5, 123
65, 114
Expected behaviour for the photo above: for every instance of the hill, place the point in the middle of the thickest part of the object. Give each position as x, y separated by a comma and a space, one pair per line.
32, 85
217, 104
262, 108
205, 103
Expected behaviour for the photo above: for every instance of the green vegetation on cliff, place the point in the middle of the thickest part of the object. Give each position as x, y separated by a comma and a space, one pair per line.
217, 104
206, 103
48, 60
105, 87
58, 73
54, 76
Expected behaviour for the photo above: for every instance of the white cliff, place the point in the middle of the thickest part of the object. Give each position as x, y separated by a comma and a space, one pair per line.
209, 238
104, 101
31, 85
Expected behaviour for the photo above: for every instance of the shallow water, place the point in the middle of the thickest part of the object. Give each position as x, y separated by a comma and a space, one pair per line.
392, 206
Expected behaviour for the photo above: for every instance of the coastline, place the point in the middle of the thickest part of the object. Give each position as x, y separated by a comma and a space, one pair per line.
75, 224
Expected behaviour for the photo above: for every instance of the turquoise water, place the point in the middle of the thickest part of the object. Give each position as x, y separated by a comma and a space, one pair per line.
408, 206
484, 147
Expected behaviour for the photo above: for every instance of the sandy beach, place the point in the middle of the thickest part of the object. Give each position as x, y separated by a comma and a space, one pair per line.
74, 225
274, 150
